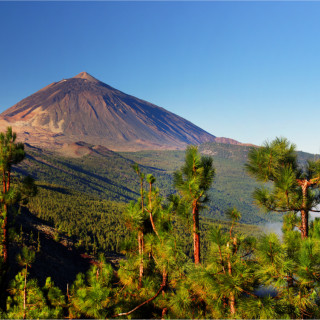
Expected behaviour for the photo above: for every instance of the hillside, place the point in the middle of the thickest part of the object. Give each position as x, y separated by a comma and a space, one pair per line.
102, 173
108, 175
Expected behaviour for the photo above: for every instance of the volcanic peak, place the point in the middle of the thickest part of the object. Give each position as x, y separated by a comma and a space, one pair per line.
86, 76
83, 108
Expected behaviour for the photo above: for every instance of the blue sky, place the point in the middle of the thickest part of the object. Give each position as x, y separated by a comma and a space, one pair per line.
244, 70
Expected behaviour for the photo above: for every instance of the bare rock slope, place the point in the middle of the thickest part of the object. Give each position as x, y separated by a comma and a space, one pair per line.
83, 108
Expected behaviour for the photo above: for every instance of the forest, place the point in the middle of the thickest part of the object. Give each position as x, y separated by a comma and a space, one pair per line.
173, 261
108, 175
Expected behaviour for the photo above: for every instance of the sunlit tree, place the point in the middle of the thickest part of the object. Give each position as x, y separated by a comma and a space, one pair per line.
292, 268
294, 187
193, 181
163, 260
91, 295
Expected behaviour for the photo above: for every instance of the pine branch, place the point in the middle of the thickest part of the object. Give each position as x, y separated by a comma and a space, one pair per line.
247, 254
163, 285
153, 225
248, 292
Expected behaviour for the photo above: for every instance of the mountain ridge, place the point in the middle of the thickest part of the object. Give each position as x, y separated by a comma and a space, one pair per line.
83, 108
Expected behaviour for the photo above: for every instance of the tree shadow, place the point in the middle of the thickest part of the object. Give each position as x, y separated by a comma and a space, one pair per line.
54, 188
59, 260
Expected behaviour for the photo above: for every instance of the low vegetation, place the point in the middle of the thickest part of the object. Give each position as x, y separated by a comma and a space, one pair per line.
236, 272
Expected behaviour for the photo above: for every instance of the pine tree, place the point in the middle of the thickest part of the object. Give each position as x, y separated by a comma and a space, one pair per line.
163, 260
11, 153
230, 271
140, 218
27, 300
55, 299
193, 181
92, 295
224, 286
292, 268
294, 187
25, 259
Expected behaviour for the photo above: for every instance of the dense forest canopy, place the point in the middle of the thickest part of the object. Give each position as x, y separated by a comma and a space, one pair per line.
171, 260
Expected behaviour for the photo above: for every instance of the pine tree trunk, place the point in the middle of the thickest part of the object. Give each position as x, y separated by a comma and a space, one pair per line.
5, 222
5, 236
304, 212
140, 237
141, 245
4, 182
8, 182
4, 281
68, 296
196, 234
232, 302
150, 211
304, 224
25, 293
4, 240
164, 312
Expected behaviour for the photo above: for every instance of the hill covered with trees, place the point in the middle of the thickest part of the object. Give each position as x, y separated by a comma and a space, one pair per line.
108, 175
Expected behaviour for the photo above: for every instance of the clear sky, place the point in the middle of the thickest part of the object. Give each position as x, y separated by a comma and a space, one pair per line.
243, 70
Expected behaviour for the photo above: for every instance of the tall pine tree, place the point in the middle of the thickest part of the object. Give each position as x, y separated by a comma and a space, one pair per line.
193, 181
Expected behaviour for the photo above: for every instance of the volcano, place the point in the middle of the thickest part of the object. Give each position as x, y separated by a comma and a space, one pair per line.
85, 109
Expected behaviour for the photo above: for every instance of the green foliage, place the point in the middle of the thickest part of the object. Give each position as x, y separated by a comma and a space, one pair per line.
26, 257
234, 269
315, 228
294, 188
11, 153
92, 296
110, 177
232, 187
292, 268
264, 163
158, 256
27, 300
195, 176
85, 219
192, 181
43, 303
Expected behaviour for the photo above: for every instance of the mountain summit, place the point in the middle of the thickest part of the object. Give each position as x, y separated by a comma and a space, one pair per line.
86, 76
83, 108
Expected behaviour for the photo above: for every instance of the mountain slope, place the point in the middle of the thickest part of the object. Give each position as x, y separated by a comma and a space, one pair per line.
83, 108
